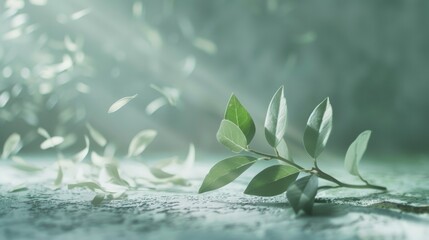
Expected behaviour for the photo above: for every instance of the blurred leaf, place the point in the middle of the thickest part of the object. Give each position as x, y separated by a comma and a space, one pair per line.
98, 199
51, 142
301, 194
225, 172
140, 142
355, 152
319, 126
171, 94
19, 188
231, 136
159, 173
100, 161
80, 14
272, 181
80, 156
21, 164
110, 174
236, 113
59, 179
43, 133
205, 45
12, 145
155, 105
96, 136
89, 185
275, 121
120, 103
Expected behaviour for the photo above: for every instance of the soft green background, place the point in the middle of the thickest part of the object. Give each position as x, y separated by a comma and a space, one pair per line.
370, 57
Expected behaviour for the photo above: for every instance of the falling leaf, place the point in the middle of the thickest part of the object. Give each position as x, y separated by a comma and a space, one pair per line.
80, 14
21, 164
100, 161
83, 88
12, 145
189, 66
155, 105
69, 44
43, 133
80, 156
98, 138
137, 9
205, 45
171, 94
140, 142
110, 174
12, 34
4, 98
120, 103
39, 2
59, 179
189, 162
51, 142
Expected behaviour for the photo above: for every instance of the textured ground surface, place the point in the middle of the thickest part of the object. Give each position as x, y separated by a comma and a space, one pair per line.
42, 213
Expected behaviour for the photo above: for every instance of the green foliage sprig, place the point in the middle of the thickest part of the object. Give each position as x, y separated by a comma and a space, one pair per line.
236, 132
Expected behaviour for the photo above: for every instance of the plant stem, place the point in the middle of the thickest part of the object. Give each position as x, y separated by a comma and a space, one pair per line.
316, 170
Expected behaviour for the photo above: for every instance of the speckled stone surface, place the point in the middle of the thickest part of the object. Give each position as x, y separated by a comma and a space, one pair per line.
180, 213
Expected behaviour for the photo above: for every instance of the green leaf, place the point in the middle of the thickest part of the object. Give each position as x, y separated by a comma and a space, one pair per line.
140, 142
236, 113
120, 103
275, 121
283, 150
301, 194
355, 152
12, 145
231, 136
319, 126
272, 181
225, 172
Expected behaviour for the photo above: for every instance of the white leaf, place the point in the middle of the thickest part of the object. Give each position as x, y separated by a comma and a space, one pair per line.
171, 94
43, 133
19, 188
110, 174
140, 142
23, 165
100, 161
80, 14
156, 104
12, 145
80, 156
120, 103
59, 179
39, 2
51, 142
98, 138
189, 162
